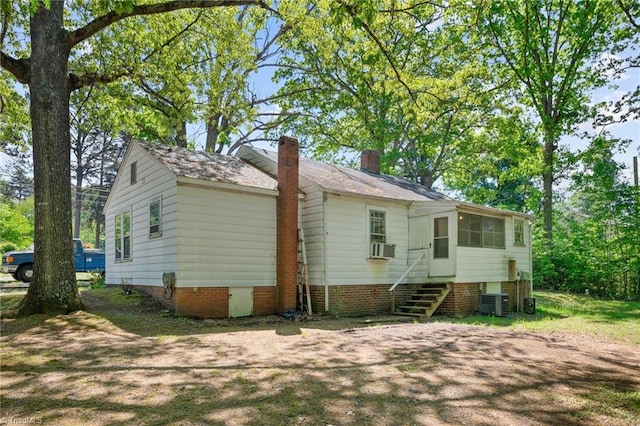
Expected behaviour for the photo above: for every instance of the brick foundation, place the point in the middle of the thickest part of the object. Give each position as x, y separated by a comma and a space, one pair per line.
355, 300
510, 287
203, 302
209, 302
350, 300
264, 301
464, 298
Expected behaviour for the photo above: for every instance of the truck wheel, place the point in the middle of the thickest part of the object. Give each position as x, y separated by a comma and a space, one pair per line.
25, 272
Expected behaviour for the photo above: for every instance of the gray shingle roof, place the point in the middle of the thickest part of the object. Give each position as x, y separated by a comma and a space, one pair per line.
208, 166
350, 181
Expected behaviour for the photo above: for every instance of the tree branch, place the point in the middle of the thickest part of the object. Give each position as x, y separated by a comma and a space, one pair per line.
78, 81
104, 21
352, 11
20, 68
627, 11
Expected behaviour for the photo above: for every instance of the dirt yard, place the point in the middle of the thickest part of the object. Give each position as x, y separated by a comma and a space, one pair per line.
85, 369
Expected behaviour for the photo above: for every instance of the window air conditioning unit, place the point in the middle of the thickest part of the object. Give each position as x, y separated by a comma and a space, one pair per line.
382, 251
496, 304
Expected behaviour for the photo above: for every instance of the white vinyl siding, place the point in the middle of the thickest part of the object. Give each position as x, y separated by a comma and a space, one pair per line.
149, 257
313, 224
226, 238
473, 264
492, 264
347, 241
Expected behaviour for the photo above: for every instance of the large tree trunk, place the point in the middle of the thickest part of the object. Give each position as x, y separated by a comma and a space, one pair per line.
181, 139
547, 190
53, 289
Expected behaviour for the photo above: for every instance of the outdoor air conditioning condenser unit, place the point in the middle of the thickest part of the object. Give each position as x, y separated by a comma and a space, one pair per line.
496, 304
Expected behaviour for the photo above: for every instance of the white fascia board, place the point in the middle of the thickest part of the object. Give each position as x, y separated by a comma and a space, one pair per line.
223, 186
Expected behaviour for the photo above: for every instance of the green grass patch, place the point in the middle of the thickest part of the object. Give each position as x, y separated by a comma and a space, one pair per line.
10, 301
623, 405
115, 296
611, 319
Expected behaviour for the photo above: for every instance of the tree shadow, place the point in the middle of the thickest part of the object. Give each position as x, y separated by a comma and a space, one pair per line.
83, 368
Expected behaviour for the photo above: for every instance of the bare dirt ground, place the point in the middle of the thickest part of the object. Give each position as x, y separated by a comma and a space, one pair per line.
86, 369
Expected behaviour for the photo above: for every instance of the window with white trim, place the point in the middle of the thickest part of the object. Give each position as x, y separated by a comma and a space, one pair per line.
480, 231
123, 236
155, 217
518, 232
377, 226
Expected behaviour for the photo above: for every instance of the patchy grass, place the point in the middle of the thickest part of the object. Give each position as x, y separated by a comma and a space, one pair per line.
10, 301
128, 361
577, 314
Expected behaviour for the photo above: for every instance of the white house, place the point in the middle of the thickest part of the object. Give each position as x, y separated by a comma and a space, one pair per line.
206, 220
216, 236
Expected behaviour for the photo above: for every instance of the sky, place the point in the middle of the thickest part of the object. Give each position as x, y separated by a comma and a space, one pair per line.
629, 130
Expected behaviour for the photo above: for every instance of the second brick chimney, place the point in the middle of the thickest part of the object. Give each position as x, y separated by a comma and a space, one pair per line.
287, 224
370, 161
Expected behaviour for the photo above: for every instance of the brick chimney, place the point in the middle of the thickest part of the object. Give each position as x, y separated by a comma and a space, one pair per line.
370, 161
287, 224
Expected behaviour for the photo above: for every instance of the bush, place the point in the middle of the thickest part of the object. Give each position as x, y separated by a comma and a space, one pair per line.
5, 247
97, 280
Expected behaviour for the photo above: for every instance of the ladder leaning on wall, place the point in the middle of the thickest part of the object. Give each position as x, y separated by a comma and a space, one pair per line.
304, 291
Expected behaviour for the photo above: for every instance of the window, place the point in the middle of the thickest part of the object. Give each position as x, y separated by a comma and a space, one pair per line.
492, 232
118, 245
155, 217
377, 229
480, 231
518, 232
123, 236
441, 238
469, 230
134, 172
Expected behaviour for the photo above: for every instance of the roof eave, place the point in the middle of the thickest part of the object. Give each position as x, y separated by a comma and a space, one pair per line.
224, 186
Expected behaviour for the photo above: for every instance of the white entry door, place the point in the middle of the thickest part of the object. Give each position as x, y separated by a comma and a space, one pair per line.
240, 301
443, 246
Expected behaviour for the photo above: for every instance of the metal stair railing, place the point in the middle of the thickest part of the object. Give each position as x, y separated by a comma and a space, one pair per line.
399, 280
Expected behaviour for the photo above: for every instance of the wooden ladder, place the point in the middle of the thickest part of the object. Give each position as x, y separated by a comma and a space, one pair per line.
304, 290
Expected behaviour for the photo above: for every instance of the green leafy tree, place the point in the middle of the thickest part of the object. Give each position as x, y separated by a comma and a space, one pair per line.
19, 182
395, 78
550, 48
598, 229
43, 63
95, 149
16, 223
14, 118
500, 165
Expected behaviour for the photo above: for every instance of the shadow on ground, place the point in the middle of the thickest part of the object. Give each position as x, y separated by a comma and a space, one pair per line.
99, 368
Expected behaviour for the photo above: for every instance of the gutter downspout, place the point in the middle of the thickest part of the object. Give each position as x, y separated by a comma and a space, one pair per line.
324, 255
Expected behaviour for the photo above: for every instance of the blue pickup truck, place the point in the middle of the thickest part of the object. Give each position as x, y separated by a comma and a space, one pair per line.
20, 263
